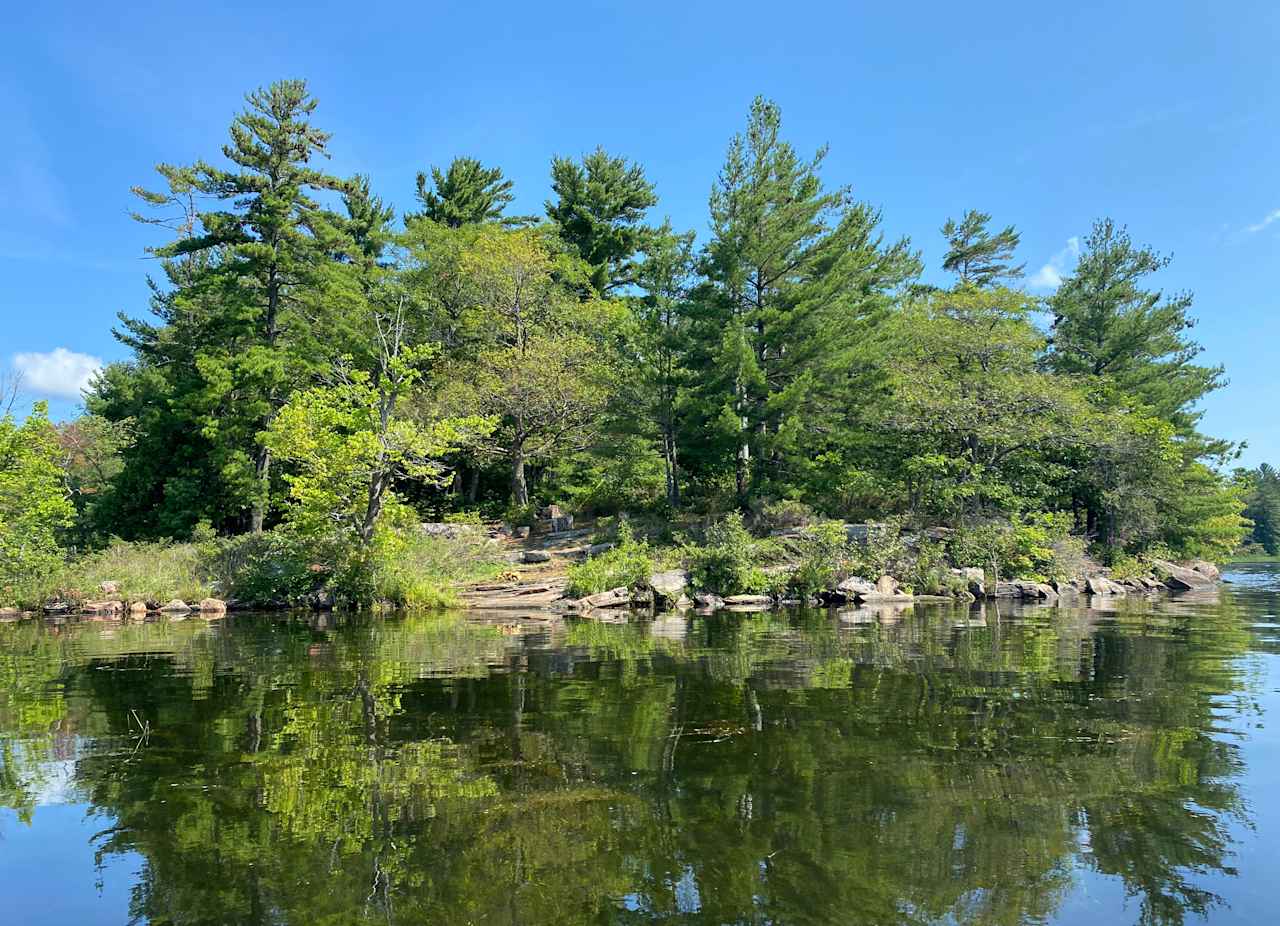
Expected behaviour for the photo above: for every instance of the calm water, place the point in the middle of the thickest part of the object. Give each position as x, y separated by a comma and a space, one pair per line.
924, 766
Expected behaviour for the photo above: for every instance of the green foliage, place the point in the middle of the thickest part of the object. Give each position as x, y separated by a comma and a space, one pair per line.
825, 558
728, 562
629, 563
1261, 492
598, 209
34, 505
468, 193
1031, 546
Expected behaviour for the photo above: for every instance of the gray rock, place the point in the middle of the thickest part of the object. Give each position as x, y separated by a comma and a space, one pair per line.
109, 588
535, 556
1181, 578
1101, 585
613, 598
668, 586
1206, 569
176, 606
737, 601
212, 606
853, 586
597, 548
708, 600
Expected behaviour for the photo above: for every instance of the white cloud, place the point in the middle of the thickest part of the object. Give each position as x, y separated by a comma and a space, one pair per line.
1273, 216
1050, 275
60, 373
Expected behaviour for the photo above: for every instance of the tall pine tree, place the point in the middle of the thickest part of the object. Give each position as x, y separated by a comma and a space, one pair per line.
798, 274
264, 253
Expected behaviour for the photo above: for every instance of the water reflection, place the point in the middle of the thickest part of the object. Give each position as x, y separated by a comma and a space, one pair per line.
901, 765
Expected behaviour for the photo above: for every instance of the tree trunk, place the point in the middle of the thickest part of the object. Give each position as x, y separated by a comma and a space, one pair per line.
673, 482
519, 487
262, 472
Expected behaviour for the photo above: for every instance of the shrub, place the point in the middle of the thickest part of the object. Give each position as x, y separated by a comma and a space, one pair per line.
629, 563
824, 558
1031, 546
786, 514
728, 561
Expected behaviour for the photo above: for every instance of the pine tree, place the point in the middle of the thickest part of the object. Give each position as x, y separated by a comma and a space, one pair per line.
468, 193
977, 256
262, 257
798, 274
1107, 326
599, 208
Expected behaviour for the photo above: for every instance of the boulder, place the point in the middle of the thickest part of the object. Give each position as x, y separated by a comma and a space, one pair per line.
852, 587
887, 585
57, 606
176, 606
668, 586
9, 614
748, 601
521, 532
102, 607
1181, 578
535, 556
597, 548
1101, 585
212, 606
1206, 569
614, 598
109, 588
886, 591
708, 600
137, 608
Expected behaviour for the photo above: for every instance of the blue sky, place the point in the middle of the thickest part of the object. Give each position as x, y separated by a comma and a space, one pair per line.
1162, 115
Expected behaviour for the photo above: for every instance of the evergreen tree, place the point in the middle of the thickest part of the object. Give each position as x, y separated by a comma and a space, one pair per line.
1106, 325
599, 207
977, 256
798, 276
262, 257
468, 193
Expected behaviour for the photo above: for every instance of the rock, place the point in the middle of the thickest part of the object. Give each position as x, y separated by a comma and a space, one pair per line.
521, 532
212, 606
668, 586
854, 586
109, 588
1101, 585
9, 614
642, 596
752, 601
597, 548
138, 608
970, 574
56, 606
1181, 578
102, 607
1206, 569
887, 585
176, 606
613, 598
708, 600
535, 556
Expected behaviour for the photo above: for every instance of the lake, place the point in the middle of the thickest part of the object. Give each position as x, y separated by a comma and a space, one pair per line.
922, 765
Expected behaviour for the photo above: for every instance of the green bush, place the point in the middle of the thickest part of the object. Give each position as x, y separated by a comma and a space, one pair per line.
1033, 546
629, 563
825, 558
728, 562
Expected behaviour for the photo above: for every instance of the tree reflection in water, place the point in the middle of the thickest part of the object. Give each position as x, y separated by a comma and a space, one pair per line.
918, 766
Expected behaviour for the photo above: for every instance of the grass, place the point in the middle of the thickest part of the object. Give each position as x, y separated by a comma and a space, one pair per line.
151, 572
408, 570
